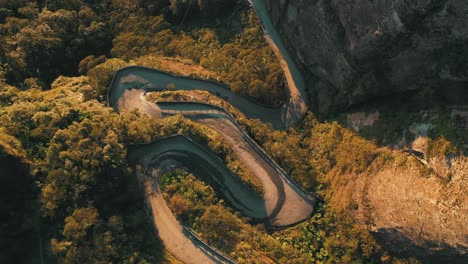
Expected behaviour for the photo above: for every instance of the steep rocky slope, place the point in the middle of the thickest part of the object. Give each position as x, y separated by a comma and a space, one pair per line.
411, 214
353, 52
356, 50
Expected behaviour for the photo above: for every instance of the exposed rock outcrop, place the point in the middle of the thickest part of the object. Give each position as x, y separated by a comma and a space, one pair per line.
411, 214
352, 51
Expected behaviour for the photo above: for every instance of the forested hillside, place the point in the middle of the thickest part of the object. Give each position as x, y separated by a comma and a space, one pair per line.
68, 193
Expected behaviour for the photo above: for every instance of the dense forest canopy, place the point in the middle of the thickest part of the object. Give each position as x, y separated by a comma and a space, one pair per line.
43, 40
66, 184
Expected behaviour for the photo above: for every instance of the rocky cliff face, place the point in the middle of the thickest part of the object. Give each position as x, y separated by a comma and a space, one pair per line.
353, 51
413, 215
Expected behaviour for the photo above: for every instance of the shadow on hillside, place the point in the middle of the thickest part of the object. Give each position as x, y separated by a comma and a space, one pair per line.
444, 109
18, 236
404, 247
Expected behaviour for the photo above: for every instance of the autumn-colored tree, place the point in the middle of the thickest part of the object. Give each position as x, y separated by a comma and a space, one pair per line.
44, 42
220, 227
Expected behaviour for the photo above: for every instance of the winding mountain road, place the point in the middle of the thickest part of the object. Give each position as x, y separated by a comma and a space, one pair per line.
284, 202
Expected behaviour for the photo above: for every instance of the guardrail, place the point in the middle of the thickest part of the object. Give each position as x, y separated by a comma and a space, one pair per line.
265, 31
304, 193
178, 76
308, 195
206, 151
149, 210
210, 153
218, 253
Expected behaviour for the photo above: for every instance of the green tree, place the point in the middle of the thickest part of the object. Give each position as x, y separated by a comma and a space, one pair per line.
103, 73
220, 227
79, 225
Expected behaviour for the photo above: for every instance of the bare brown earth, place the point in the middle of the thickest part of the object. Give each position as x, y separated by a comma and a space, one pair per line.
296, 103
135, 100
413, 214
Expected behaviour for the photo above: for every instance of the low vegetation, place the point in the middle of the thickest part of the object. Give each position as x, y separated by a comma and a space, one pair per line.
197, 206
72, 189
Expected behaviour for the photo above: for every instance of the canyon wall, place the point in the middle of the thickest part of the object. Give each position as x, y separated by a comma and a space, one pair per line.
354, 51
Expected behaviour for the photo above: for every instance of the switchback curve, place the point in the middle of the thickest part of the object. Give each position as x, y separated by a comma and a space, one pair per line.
284, 203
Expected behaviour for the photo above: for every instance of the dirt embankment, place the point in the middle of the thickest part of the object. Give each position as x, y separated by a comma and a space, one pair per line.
412, 211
